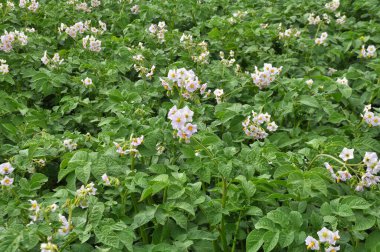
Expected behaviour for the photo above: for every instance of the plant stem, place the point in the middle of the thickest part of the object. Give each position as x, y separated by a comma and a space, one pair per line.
334, 158
236, 232
222, 225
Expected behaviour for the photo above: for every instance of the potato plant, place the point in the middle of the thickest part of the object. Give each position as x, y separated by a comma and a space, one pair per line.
194, 125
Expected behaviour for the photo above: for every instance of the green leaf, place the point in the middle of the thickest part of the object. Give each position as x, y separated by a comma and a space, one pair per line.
254, 240
37, 180
309, 101
265, 223
143, 217
96, 213
344, 211
271, 239
83, 172
286, 238
279, 217
10, 240
372, 242
355, 202
186, 207
364, 222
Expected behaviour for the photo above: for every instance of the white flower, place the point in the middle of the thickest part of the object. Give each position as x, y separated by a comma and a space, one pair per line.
309, 82
48, 247
45, 59
342, 81
272, 126
135, 9
34, 205
324, 235
161, 25
153, 28
334, 237
370, 158
332, 249
218, 92
333, 5
4, 68
346, 154
53, 207
6, 168
311, 243
87, 82
6, 181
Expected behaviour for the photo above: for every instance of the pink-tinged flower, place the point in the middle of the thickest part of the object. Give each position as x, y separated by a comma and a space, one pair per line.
137, 141
311, 243
325, 235
187, 113
106, 179
178, 120
6, 168
190, 129
334, 237
6, 181
332, 249
343, 176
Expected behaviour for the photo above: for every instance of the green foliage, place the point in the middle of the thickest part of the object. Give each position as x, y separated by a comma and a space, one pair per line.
71, 145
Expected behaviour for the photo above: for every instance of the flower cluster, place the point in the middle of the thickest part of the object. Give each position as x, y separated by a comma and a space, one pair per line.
83, 192
158, 31
313, 20
369, 117
135, 9
35, 209
65, 226
140, 68
340, 19
338, 176
94, 44
367, 53
366, 177
237, 16
4, 68
72, 31
70, 144
186, 81
130, 147
109, 180
53, 62
288, 33
32, 5
342, 81
321, 39
186, 40
252, 125
48, 247
5, 170
83, 6
327, 237
181, 122
333, 5
10, 38
262, 79
203, 53
228, 62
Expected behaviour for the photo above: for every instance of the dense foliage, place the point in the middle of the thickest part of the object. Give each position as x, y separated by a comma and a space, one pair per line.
208, 125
